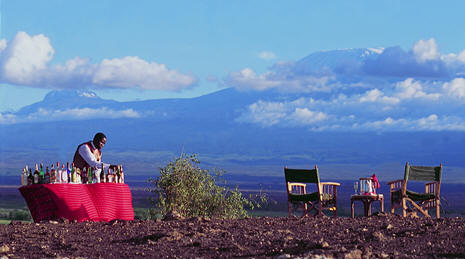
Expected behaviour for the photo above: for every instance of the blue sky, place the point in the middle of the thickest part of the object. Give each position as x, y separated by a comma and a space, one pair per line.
135, 50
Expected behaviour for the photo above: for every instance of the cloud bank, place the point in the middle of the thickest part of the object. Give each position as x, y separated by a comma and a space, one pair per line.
26, 60
43, 115
361, 90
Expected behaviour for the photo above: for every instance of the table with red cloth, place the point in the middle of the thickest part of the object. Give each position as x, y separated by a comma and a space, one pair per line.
81, 202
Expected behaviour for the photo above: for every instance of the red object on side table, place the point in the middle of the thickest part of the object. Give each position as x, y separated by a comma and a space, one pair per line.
81, 202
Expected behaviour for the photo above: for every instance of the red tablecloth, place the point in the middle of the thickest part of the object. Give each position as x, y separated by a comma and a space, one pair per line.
81, 202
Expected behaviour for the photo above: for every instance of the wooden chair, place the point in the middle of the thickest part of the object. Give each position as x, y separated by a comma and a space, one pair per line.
304, 187
401, 197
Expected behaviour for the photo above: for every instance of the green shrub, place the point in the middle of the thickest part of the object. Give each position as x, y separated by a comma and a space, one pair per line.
193, 192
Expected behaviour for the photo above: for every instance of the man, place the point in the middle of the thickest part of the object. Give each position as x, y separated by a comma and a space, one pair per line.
89, 154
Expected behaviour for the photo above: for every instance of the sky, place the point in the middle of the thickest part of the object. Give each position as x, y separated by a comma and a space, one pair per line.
138, 50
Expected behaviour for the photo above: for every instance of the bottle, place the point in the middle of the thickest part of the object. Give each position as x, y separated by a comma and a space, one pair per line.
96, 176
47, 176
53, 174
118, 175
122, 174
68, 172
36, 175
102, 175
89, 175
23, 177
109, 176
41, 174
59, 173
84, 175
64, 174
73, 174
30, 178
77, 177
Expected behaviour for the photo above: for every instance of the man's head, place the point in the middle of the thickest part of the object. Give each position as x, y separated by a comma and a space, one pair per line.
99, 140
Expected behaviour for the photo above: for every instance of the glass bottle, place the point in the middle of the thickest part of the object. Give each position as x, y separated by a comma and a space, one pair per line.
41, 174
36, 175
30, 178
47, 176
53, 174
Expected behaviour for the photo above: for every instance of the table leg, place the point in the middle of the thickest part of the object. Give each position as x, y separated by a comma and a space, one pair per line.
365, 208
382, 204
352, 208
369, 208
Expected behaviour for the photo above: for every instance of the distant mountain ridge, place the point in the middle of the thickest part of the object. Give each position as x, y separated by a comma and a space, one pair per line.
208, 125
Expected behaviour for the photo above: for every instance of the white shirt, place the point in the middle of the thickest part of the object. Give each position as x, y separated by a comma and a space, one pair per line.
90, 158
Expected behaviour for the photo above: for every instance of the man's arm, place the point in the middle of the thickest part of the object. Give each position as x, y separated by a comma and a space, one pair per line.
84, 151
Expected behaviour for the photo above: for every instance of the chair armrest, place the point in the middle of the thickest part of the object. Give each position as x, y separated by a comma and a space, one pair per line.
298, 187
395, 181
396, 185
330, 183
432, 187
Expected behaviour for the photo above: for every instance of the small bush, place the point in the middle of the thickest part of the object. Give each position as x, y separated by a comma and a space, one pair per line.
193, 192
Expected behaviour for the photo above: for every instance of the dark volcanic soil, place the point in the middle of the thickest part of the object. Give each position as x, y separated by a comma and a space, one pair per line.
379, 236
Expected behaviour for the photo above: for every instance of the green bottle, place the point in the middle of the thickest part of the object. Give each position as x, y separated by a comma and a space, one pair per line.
89, 175
41, 174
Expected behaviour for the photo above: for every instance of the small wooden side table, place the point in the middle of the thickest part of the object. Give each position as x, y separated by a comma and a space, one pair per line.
366, 200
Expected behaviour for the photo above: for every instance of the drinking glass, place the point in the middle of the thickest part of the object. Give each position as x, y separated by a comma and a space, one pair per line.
355, 187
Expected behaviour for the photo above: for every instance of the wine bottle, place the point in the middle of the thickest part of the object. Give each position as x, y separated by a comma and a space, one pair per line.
109, 176
41, 174
36, 175
30, 178
23, 182
73, 174
84, 175
68, 172
102, 175
96, 176
47, 176
64, 174
59, 173
122, 174
118, 175
53, 174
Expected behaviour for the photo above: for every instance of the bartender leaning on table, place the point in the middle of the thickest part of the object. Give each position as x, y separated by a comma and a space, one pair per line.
89, 154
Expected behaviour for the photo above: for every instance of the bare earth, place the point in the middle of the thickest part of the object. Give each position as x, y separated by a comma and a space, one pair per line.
379, 236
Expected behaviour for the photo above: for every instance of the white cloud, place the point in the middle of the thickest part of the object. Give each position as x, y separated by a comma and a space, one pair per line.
264, 113
407, 105
267, 55
25, 61
455, 88
328, 70
304, 116
409, 89
371, 96
248, 79
133, 71
425, 50
25, 58
82, 113
7, 118
69, 114
375, 95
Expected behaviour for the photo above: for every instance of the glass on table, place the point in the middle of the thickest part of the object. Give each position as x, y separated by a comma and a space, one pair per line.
355, 187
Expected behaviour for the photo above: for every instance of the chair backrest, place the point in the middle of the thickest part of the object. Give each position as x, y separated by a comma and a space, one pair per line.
423, 173
302, 175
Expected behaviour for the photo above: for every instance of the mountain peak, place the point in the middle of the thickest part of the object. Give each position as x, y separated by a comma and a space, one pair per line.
70, 94
337, 59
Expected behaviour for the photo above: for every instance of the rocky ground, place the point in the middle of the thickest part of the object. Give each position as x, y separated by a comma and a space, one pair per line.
379, 236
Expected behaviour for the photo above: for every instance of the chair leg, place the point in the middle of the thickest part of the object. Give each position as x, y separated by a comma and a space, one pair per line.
437, 209
404, 208
289, 208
